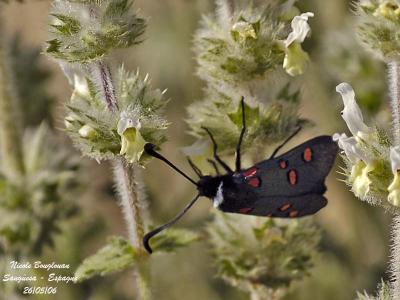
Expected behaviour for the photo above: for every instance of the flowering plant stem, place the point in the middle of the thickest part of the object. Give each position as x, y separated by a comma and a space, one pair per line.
395, 261
126, 179
10, 136
394, 89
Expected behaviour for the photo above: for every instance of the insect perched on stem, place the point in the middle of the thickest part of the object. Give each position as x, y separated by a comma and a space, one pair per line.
288, 186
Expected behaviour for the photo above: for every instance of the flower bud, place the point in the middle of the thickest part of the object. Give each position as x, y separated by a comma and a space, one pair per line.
87, 132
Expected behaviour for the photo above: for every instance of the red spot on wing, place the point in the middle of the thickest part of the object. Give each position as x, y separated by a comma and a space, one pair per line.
254, 182
250, 172
285, 207
293, 214
283, 164
307, 154
292, 176
245, 210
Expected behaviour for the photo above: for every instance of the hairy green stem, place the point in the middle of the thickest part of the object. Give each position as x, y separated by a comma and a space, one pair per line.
127, 179
107, 86
10, 130
395, 258
394, 91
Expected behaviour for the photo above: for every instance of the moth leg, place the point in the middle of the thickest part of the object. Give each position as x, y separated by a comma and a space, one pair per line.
285, 142
194, 167
216, 157
215, 166
238, 158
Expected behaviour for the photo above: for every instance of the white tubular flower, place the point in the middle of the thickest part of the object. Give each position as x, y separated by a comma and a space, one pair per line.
296, 58
362, 164
351, 113
360, 179
348, 145
132, 142
394, 187
300, 29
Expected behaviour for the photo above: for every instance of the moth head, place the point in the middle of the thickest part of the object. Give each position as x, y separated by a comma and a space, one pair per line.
208, 186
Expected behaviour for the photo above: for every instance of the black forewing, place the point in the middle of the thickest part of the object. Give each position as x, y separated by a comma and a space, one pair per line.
266, 189
309, 175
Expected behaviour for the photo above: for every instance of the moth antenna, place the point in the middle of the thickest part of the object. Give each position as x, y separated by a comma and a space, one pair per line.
215, 150
210, 161
194, 167
285, 142
239, 144
149, 149
152, 233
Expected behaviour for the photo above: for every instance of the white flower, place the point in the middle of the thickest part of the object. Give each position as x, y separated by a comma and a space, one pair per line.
126, 122
132, 141
360, 179
87, 132
296, 58
362, 164
348, 145
300, 29
351, 113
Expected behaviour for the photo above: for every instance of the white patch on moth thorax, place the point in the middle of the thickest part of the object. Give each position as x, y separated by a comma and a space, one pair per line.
219, 198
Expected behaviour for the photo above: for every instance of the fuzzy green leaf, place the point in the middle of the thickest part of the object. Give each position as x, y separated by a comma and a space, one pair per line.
223, 117
115, 26
262, 257
68, 25
251, 115
173, 239
34, 205
53, 46
378, 27
117, 256
244, 47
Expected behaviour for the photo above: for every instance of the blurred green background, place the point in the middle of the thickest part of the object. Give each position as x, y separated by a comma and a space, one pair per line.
355, 243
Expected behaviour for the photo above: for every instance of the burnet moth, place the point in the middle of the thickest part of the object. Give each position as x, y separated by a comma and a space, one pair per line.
288, 186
